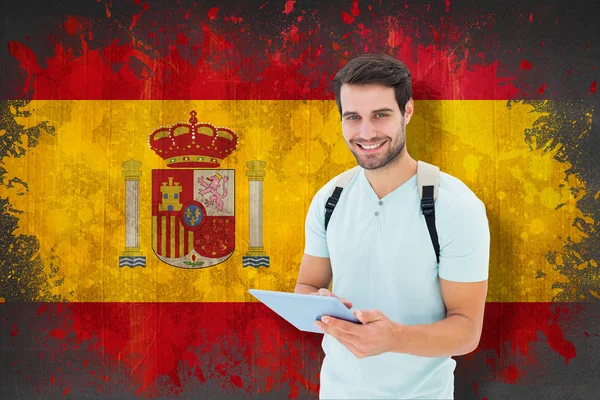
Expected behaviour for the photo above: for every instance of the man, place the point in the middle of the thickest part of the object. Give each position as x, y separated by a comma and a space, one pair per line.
416, 313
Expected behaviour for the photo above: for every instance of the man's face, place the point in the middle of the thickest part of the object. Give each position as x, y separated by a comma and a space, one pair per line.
373, 126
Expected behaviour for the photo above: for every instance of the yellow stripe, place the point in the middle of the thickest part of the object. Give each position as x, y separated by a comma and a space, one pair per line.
181, 238
190, 241
154, 233
72, 196
163, 236
172, 237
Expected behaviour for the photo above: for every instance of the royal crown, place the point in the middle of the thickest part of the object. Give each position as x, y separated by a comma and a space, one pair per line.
192, 145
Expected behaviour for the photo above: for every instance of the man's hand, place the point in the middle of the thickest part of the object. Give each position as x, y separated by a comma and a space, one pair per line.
377, 334
327, 293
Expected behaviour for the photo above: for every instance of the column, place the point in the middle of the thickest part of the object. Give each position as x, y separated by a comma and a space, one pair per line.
132, 256
256, 256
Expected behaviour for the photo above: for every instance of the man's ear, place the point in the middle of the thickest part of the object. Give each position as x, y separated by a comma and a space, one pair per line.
408, 111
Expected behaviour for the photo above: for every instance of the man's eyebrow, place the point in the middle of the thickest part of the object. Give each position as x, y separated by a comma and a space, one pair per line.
385, 109
382, 110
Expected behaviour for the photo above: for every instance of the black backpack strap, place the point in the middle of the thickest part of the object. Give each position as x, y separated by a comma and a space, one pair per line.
428, 208
427, 182
331, 203
341, 182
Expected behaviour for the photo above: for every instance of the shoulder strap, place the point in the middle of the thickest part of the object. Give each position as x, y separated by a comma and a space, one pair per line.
340, 184
427, 183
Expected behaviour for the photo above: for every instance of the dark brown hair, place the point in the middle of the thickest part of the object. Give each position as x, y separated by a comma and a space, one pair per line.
375, 68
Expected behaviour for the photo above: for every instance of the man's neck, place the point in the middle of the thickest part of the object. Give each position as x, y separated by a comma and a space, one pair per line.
387, 179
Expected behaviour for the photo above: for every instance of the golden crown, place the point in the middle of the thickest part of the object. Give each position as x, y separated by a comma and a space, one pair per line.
193, 145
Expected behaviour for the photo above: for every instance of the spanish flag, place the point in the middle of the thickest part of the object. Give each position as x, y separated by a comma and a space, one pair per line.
157, 159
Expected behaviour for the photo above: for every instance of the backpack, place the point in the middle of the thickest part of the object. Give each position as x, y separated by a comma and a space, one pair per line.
427, 184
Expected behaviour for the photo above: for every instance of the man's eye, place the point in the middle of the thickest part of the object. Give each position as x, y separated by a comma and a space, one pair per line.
379, 115
352, 117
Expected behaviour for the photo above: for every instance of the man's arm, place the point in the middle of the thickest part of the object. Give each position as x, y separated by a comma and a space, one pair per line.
315, 273
463, 273
455, 335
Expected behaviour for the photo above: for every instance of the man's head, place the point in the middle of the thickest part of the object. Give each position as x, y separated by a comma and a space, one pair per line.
374, 97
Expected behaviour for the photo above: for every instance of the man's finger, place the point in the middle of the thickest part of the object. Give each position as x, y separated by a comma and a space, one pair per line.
325, 292
340, 325
365, 316
322, 292
346, 302
340, 336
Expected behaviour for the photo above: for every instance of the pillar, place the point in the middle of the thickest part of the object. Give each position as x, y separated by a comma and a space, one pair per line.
256, 256
132, 256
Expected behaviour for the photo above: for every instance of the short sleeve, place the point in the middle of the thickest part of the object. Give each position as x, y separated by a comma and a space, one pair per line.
464, 240
314, 229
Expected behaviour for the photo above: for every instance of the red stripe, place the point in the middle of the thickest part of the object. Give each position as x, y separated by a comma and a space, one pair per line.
250, 343
154, 340
436, 75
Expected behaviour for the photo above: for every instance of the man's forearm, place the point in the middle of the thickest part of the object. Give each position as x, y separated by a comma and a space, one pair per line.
455, 335
303, 288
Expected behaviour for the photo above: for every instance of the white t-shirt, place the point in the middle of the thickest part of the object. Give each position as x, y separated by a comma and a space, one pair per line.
383, 259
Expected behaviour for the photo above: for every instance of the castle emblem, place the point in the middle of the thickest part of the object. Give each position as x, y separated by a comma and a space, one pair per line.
193, 202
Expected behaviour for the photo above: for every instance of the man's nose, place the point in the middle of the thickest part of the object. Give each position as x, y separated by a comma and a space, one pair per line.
367, 130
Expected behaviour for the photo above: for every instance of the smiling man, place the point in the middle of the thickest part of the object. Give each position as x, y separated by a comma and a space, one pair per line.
416, 312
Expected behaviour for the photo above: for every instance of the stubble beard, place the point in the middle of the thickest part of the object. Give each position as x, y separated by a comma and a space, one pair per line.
391, 157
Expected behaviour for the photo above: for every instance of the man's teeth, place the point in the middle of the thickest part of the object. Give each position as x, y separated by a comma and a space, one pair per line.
370, 147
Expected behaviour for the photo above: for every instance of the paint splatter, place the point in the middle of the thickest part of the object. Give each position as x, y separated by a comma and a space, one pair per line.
59, 334
355, 10
289, 6
347, 18
212, 13
526, 65
72, 25
436, 35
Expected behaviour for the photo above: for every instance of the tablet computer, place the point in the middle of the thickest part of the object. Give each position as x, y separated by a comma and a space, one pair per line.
303, 310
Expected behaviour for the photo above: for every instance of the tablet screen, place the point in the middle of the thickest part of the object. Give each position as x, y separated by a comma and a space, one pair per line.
303, 310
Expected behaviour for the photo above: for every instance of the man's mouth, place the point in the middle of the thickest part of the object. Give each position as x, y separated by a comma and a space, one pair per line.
373, 146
